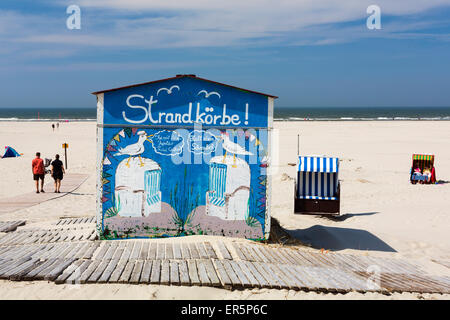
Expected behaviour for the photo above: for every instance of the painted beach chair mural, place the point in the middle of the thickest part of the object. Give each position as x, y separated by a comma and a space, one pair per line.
422, 169
229, 188
318, 186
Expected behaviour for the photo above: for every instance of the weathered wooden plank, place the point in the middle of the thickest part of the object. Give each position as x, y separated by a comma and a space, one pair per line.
165, 272
136, 273
55, 272
176, 251
202, 250
44, 272
120, 266
98, 271
193, 272
262, 258
152, 251
146, 272
68, 271
112, 264
88, 272
33, 264
156, 272
17, 269
169, 251
111, 250
271, 281
184, 273
103, 249
136, 250
174, 273
202, 273
240, 274
126, 274
144, 251
251, 278
261, 280
210, 251
223, 251
92, 248
222, 274
160, 252
276, 275
193, 251
128, 249
238, 251
212, 274
185, 254
32, 274
82, 250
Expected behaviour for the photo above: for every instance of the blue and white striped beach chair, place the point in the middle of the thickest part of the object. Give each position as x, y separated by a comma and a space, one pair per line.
318, 187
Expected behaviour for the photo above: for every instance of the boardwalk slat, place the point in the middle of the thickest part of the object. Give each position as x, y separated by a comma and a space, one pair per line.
136, 273
108, 271
240, 274
98, 271
212, 274
176, 251
224, 253
202, 273
193, 251
144, 251
115, 275
156, 272
165, 272
174, 273
68, 271
146, 272
169, 251
160, 251
210, 251
90, 269
222, 274
185, 251
152, 251
193, 272
184, 273
126, 274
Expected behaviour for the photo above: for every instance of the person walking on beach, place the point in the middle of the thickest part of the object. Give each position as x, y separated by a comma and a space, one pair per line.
53, 127
57, 172
37, 166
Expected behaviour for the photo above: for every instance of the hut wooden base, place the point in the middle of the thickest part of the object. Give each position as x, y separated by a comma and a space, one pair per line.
310, 206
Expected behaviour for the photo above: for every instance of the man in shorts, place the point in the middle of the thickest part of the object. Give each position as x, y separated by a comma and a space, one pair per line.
38, 169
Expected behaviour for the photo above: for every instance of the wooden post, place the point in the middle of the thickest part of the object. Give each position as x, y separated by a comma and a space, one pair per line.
65, 146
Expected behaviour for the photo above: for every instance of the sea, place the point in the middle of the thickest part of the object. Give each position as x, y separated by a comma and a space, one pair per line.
280, 114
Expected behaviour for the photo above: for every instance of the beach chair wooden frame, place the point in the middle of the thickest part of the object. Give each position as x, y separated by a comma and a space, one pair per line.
423, 161
318, 188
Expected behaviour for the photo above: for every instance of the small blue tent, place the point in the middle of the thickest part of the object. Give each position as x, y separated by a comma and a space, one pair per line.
10, 153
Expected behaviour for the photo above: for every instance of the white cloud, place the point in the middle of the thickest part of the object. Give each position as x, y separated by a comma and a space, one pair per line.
147, 24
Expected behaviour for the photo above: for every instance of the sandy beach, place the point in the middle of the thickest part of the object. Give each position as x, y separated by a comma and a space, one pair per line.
382, 213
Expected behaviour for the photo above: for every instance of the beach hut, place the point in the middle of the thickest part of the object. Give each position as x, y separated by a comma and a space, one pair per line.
422, 162
183, 156
318, 186
10, 153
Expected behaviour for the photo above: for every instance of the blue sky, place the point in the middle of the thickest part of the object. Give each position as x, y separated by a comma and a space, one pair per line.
309, 53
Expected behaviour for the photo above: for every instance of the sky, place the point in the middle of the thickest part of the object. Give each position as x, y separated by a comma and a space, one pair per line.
309, 53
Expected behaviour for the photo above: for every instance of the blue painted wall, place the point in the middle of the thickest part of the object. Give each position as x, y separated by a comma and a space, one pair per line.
183, 154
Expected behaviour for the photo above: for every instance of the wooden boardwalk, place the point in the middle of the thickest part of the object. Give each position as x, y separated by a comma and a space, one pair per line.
70, 183
68, 253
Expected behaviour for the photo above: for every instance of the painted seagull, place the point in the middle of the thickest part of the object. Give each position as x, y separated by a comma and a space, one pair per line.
233, 148
169, 91
135, 149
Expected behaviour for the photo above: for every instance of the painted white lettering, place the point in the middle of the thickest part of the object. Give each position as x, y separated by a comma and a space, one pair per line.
199, 117
135, 107
226, 119
235, 119
187, 116
150, 103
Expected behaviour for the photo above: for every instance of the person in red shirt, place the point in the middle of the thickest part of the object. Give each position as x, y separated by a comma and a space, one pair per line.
38, 169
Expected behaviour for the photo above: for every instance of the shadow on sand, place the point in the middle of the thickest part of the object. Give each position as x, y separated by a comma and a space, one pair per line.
335, 239
347, 215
